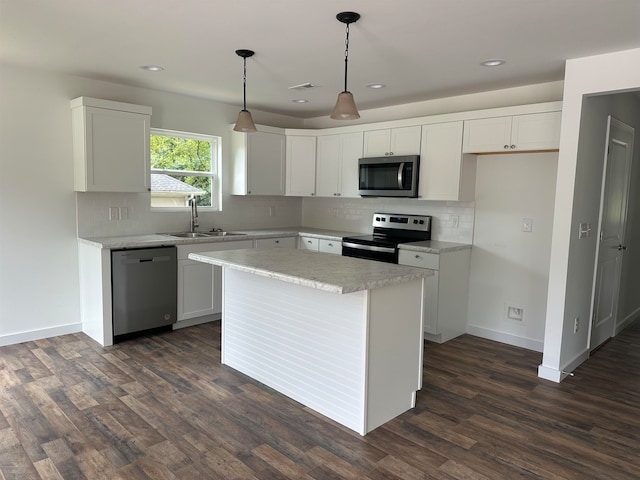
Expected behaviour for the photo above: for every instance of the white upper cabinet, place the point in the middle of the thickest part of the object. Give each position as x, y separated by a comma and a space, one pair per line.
337, 164
392, 141
110, 146
530, 132
258, 162
445, 173
301, 166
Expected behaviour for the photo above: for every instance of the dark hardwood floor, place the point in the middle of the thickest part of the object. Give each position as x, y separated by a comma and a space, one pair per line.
163, 407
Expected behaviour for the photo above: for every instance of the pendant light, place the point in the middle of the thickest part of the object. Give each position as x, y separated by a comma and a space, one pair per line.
345, 108
245, 121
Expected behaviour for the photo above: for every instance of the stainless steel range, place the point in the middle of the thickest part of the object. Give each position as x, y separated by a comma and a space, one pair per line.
389, 230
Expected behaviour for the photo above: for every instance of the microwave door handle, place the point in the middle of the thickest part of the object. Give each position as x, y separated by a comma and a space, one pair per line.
401, 176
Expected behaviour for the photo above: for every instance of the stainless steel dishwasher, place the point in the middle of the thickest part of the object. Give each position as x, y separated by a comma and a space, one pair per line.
144, 289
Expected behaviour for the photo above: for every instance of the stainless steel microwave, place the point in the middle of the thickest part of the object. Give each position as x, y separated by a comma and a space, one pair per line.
388, 176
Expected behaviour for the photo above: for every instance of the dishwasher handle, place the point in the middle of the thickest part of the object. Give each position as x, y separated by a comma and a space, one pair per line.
161, 258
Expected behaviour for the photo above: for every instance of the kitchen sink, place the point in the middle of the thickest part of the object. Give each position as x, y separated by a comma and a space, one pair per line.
201, 234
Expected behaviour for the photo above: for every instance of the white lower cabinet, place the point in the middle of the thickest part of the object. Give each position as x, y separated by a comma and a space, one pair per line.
445, 293
320, 245
289, 242
200, 284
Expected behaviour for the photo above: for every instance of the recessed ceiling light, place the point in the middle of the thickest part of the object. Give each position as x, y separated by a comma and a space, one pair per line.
376, 86
300, 100
494, 62
152, 68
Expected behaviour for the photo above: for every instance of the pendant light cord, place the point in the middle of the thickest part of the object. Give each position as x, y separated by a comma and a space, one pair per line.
346, 57
244, 85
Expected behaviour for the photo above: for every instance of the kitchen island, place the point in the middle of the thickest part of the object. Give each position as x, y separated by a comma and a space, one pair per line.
340, 335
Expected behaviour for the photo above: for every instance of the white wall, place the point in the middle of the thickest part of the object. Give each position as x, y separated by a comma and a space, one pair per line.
509, 266
572, 261
39, 292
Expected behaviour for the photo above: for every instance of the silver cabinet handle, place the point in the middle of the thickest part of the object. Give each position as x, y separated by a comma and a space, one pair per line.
506, 147
622, 247
513, 147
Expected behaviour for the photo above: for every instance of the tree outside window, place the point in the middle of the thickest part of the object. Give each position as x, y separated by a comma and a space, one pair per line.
184, 166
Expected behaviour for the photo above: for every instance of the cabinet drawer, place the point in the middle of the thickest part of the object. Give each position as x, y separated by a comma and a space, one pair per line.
419, 259
276, 242
185, 250
308, 243
330, 246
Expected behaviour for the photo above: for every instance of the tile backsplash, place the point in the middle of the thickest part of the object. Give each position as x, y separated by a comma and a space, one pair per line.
115, 214
355, 215
134, 216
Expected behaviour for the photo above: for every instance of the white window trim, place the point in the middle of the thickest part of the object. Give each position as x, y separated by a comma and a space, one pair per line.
216, 151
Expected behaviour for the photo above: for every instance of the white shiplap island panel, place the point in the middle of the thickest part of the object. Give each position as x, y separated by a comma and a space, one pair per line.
354, 357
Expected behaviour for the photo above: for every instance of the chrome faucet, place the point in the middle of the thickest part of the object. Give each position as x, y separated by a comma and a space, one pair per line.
194, 214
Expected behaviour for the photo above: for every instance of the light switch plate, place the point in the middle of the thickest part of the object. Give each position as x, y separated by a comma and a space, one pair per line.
527, 225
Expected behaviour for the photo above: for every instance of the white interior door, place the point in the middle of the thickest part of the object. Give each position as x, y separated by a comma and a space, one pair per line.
613, 214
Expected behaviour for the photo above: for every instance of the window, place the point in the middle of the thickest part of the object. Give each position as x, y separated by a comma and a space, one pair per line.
184, 166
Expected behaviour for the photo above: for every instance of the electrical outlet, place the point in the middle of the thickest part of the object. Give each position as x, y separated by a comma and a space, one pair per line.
527, 224
515, 313
455, 221
114, 213
272, 211
584, 230
576, 324
123, 213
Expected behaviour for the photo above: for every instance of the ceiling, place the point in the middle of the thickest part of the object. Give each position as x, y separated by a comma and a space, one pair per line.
420, 49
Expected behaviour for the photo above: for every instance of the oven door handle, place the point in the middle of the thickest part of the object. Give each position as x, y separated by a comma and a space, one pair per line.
400, 175
370, 248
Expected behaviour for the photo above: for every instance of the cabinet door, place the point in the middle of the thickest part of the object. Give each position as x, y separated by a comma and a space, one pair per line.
430, 303
394, 141
328, 165
301, 166
330, 246
200, 284
443, 173
196, 294
405, 140
487, 135
115, 157
537, 131
351, 152
377, 143
265, 163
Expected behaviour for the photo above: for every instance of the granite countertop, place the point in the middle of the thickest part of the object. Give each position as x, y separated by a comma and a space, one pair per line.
434, 246
323, 271
157, 240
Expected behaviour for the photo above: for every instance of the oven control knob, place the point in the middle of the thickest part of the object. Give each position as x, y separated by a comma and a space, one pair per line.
377, 219
415, 221
421, 222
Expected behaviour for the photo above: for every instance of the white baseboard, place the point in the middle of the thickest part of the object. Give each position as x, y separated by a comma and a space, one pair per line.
555, 375
14, 338
627, 320
509, 339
